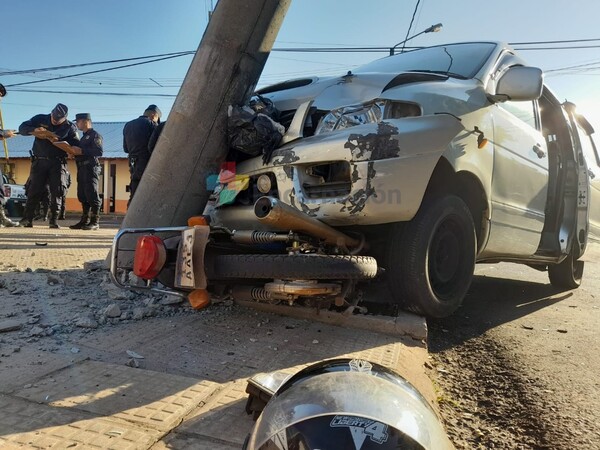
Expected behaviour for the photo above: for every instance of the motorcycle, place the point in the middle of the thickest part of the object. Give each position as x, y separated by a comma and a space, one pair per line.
288, 257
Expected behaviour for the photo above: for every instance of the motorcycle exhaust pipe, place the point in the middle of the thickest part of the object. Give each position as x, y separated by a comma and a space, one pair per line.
277, 214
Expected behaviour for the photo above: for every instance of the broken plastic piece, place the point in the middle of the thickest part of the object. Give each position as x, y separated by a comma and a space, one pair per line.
197, 220
200, 298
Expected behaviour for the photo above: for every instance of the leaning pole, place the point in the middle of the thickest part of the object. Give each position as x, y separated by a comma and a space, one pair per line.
193, 144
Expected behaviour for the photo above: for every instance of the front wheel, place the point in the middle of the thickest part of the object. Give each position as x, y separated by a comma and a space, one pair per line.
567, 274
432, 258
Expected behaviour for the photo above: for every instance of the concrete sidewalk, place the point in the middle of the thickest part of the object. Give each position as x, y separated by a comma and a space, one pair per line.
81, 388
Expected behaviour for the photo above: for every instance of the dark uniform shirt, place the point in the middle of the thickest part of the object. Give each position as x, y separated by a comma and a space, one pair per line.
155, 135
91, 145
136, 135
66, 131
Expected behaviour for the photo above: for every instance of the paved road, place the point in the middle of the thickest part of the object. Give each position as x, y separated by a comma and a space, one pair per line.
519, 362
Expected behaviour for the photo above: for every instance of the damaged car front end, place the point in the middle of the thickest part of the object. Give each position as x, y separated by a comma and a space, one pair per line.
384, 174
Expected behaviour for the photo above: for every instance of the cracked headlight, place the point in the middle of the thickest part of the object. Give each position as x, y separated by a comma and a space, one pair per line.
350, 116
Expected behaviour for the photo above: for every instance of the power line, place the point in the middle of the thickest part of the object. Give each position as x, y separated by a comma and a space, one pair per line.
95, 71
289, 49
553, 42
410, 25
121, 94
334, 49
574, 67
301, 49
47, 69
574, 47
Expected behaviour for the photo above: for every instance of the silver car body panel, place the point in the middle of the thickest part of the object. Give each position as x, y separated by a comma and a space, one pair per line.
392, 161
388, 181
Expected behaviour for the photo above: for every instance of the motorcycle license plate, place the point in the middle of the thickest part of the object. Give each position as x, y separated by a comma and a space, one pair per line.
189, 270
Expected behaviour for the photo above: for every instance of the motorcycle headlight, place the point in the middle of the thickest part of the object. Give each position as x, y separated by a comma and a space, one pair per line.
350, 116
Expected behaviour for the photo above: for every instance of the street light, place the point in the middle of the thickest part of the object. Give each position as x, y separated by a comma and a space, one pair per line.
432, 29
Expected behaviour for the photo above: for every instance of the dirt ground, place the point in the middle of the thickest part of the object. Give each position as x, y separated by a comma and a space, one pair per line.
517, 367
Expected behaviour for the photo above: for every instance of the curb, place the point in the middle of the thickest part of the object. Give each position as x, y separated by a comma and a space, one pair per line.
403, 325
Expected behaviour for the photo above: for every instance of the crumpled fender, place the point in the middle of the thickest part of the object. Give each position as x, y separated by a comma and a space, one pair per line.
391, 138
391, 163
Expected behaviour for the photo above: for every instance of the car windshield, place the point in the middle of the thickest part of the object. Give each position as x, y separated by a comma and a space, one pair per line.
460, 60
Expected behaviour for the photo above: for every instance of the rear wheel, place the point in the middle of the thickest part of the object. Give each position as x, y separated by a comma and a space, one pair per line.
292, 267
567, 274
432, 258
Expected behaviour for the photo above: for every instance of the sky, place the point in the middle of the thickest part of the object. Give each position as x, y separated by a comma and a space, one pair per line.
41, 34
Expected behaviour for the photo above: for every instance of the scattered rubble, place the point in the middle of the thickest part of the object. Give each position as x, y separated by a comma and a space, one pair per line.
10, 325
134, 354
46, 306
112, 311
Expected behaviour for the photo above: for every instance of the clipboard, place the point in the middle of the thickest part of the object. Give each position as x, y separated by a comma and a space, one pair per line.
64, 146
68, 148
47, 135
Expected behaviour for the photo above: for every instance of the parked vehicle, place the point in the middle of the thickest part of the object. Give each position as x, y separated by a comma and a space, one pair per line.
15, 195
406, 171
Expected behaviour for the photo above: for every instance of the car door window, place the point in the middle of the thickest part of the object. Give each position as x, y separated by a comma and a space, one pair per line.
590, 152
589, 149
524, 111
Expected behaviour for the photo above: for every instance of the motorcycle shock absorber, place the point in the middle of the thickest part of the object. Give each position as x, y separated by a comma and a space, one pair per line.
254, 293
261, 237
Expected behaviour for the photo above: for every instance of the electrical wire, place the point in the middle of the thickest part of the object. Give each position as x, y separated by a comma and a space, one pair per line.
410, 25
343, 47
585, 65
558, 48
71, 66
553, 42
120, 94
127, 82
94, 71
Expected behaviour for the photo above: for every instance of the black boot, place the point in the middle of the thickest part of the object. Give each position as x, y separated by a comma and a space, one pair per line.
27, 220
93, 224
26, 223
44, 213
53, 222
85, 219
4, 220
61, 215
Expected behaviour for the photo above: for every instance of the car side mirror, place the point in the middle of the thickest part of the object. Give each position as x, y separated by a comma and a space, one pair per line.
519, 83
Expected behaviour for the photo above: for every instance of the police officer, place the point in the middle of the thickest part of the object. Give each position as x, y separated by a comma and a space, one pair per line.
50, 162
61, 214
4, 220
136, 135
155, 135
88, 170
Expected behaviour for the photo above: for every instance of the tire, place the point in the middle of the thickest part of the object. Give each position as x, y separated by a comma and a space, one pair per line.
293, 267
432, 257
567, 274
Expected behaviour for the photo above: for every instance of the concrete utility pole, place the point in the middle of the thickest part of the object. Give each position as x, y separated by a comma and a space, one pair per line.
193, 145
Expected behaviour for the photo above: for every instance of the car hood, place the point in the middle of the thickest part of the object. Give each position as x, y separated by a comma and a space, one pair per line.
334, 92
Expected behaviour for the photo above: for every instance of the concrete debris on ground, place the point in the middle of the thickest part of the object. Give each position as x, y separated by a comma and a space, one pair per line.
49, 305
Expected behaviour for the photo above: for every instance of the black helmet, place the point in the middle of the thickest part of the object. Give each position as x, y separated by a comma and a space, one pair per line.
347, 404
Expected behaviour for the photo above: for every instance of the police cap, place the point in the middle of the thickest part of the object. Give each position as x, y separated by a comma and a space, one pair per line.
83, 116
59, 112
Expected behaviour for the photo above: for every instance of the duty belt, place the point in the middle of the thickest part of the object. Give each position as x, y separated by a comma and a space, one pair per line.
138, 158
50, 158
85, 162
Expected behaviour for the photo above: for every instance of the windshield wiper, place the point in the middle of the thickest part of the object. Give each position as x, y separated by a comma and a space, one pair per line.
441, 72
